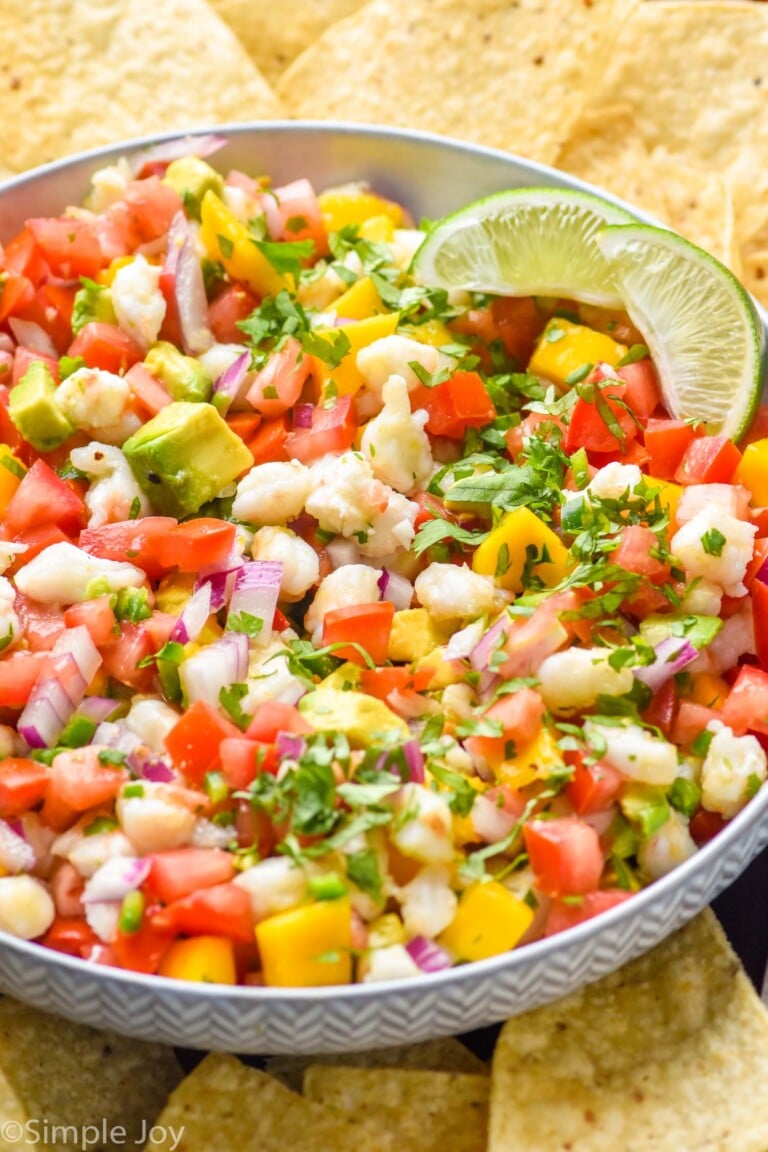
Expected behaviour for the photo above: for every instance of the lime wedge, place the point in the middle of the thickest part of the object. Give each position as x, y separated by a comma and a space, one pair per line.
700, 325
525, 242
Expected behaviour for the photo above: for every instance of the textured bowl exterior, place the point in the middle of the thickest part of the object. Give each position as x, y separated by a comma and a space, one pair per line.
432, 176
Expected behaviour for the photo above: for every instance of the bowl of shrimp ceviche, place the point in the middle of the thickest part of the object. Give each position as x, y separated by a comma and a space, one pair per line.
380, 653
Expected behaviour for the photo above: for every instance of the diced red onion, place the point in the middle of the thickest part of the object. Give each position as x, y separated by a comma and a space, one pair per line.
16, 855
672, 655
103, 918
232, 651
97, 708
78, 642
289, 746
269, 207
193, 617
302, 415
169, 150
491, 821
762, 572
18, 828
257, 590
158, 771
32, 336
292, 692
414, 758
462, 644
429, 957
117, 736
221, 578
395, 589
182, 267
116, 878
54, 698
234, 382
342, 551
600, 821
480, 656
488, 681
40, 725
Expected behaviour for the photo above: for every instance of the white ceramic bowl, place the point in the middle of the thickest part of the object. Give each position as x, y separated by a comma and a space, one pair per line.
432, 176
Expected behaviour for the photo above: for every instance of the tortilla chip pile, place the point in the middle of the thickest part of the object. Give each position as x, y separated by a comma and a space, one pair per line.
668, 1055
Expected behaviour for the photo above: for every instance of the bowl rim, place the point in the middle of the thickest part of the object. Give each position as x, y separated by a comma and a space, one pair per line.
542, 949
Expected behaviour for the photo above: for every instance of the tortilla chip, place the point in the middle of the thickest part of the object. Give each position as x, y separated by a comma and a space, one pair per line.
422, 1111
275, 34
445, 1055
224, 1106
669, 1053
84, 74
71, 1075
510, 75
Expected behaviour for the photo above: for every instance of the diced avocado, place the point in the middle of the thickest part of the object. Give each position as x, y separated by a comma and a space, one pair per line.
92, 302
645, 807
34, 411
697, 630
414, 634
346, 676
192, 178
184, 377
361, 718
185, 456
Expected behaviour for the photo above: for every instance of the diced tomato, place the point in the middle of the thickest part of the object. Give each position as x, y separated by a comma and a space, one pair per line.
147, 208
758, 429
519, 323
193, 742
51, 309
587, 428
631, 453
535, 424
280, 621
562, 916
528, 641
690, 722
565, 855
300, 216
269, 442
458, 403
568, 607
704, 826
97, 616
242, 760
195, 544
69, 246
234, 304
67, 887
666, 442
22, 785
135, 541
760, 620
708, 460
642, 394
746, 706
430, 508
18, 673
333, 430
43, 498
594, 787
479, 322
272, 718
16, 293
124, 654
223, 910
177, 872
143, 951
22, 255
277, 387
379, 682
151, 395
637, 552
105, 346
368, 625
24, 358
520, 715
244, 424
662, 710
78, 781
71, 935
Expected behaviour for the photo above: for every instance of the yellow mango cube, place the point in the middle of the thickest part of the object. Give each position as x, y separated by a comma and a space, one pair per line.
432, 332
344, 207
752, 472
173, 592
563, 348
107, 275
670, 496
378, 230
413, 636
346, 375
229, 242
489, 920
205, 959
503, 553
308, 946
445, 671
709, 690
360, 301
11, 474
540, 758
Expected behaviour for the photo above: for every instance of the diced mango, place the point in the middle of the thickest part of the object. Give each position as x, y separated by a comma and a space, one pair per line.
99, 684
414, 635
386, 930
107, 275
173, 592
432, 332
360, 301
504, 553
343, 678
361, 717
752, 472
378, 230
211, 631
343, 207
229, 242
445, 671
488, 921
308, 946
11, 474
670, 496
540, 758
709, 690
346, 375
563, 348
206, 959
463, 828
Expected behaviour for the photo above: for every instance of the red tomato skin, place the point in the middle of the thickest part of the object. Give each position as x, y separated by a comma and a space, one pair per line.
642, 394
69, 246
635, 553
44, 498
97, 616
105, 346
562, 916
458, 403
123, 655
23, 784
708, 460
234, 304
194, 544
690, 722
366, 624
565, 855
134, 541
333, 430
177, 872
746, 705
273, 718
593, 788
663, 708
519, 323
760, 620
278, 386
222, 910
194, 741
704, 826
143, 951
666, 442
300, 215
70, 935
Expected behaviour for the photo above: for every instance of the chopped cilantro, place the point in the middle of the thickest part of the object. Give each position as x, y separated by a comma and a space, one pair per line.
713, 542
245, 622
230, 699
285, 256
